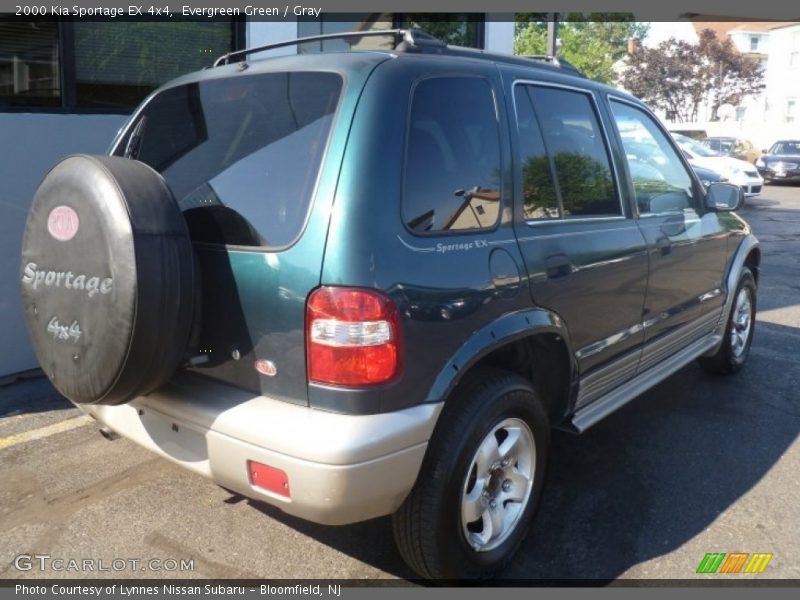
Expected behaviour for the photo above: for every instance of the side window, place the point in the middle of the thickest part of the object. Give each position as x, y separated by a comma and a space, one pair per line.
451, 179
575, 143
660, 180
539, 198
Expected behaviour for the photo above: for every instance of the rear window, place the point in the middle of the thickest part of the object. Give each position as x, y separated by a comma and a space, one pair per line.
241, 155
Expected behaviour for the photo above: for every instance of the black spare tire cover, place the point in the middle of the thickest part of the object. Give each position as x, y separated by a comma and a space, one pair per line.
107, 279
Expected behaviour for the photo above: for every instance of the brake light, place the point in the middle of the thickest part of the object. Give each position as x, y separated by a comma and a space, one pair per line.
352, 337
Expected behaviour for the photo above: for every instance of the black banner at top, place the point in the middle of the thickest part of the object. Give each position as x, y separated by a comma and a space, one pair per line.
497, 9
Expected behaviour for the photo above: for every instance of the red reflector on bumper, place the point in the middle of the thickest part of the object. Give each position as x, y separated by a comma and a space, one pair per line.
268, 478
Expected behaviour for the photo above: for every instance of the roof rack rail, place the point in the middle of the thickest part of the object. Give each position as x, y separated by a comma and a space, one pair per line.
405, 39
562, 63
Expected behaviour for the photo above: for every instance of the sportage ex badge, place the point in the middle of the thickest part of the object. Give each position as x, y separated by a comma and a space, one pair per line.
63, 223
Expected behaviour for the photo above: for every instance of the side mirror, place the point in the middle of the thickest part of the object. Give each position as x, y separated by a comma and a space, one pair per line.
764, 151
724, 197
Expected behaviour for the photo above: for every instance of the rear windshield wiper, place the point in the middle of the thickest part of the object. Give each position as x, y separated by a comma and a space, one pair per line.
135, 140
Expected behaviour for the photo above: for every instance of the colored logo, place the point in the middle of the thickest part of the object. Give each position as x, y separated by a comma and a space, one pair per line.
718, 563
266, 367
63, 223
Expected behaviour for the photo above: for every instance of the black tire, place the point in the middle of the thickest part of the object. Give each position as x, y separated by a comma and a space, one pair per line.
730, 357
108, 279
428, 527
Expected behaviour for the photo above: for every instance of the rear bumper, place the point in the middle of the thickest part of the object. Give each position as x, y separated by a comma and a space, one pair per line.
341, 468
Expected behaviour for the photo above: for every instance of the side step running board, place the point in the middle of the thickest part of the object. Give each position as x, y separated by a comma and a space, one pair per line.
605, 405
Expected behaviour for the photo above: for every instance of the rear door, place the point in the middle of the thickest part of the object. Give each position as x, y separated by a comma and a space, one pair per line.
585, 256
687, 245
245, 158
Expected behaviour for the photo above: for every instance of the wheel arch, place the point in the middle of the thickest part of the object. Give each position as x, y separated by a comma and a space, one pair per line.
748, 255
534, 343
753, 262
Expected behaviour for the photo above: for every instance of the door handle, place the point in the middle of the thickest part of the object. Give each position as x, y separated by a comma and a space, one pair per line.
557, 266
664, 245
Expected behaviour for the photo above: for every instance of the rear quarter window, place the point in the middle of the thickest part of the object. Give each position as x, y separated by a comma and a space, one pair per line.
451, 178
241, 155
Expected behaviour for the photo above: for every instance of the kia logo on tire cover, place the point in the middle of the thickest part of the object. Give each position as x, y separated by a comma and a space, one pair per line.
63, 223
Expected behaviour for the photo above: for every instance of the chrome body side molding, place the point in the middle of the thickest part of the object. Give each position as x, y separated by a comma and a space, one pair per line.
602, 407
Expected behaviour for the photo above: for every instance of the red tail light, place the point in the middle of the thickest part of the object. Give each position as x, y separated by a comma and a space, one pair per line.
352, 337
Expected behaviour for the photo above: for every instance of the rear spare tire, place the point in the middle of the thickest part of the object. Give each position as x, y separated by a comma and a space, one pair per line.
107, 279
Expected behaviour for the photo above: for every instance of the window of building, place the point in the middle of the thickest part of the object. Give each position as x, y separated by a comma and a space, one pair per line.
88, 65
29, 63
794, 59
307, 27
456, 29
753, 43
791, 110
452, 169
575, 144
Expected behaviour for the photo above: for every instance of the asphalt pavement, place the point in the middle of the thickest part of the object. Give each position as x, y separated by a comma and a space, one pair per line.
697, 465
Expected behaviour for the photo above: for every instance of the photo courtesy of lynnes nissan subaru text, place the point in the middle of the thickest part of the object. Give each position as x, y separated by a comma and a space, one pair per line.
369, 283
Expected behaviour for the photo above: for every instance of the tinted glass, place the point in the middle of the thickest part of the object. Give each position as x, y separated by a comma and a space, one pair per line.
29, 73
118, 63
538, 193
452, 171
458, 29
693, 147
574, 140
660, 180
785, 148
340, 23
241, 155
451, 28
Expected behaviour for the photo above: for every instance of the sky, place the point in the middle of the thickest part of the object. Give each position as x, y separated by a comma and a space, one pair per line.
660, 31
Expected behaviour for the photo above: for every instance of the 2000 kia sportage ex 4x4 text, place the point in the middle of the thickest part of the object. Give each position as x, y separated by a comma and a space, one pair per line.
369, 283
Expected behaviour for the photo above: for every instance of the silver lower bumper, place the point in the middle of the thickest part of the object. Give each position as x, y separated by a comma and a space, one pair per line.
341, 468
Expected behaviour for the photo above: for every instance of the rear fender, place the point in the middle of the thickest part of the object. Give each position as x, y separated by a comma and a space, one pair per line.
508, 328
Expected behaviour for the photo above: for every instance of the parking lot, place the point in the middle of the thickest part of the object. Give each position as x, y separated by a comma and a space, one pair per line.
697, 465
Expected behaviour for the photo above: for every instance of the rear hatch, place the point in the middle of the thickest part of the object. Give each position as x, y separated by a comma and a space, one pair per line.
247, 156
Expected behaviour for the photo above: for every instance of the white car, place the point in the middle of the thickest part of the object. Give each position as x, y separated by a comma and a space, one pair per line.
737, 171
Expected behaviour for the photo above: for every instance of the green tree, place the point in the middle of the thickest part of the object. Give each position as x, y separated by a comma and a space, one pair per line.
734, 75
593, 42
677, 76
670, 77
583, 182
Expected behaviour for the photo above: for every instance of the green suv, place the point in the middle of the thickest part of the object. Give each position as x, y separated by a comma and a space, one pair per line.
370, 283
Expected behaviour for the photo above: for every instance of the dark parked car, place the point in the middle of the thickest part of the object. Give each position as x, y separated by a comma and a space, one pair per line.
370, 283
733, 146
781, 162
